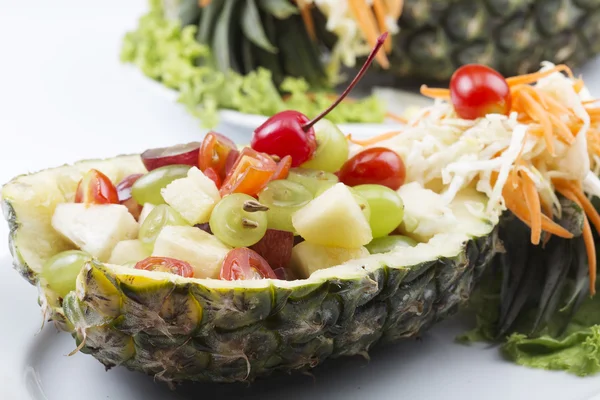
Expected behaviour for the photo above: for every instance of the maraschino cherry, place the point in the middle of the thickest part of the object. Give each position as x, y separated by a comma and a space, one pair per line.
291, 133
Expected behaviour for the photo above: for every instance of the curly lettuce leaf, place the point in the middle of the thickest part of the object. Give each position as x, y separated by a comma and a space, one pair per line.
167, 52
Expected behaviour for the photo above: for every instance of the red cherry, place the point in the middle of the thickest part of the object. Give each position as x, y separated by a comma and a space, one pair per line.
283, 135
477, 90
376, 165
291, 133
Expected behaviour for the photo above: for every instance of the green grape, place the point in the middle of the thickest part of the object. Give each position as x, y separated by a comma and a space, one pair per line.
160, 216
60, 272
332, 148
385, 244
147, 188
235, 223
362, 202
283, 198
387, 208
313, 180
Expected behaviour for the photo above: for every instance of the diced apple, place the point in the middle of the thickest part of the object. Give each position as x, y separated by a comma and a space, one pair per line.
333, 219
194, 197
95, 229
128, 251
202, 250
148, 207
308, 257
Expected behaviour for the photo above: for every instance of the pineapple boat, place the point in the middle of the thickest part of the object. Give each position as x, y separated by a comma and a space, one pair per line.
210, 262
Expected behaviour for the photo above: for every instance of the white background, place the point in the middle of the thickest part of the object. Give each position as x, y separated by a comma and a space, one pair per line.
64, 96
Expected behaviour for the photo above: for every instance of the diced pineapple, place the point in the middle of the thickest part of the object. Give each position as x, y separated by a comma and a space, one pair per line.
147, 209
95, 229
128, 251
425, 213
308, 257
194, 197
333, 219
202, 250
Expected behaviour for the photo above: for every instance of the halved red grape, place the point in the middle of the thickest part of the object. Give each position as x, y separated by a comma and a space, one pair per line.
124, 193
181, 154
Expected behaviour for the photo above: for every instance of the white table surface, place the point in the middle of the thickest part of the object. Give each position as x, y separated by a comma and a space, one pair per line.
64, 96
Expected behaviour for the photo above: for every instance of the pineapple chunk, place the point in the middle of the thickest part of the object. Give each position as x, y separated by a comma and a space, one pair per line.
128, 251
308, 257
147, 209
333, 219
202, 250
194, 197
95, 229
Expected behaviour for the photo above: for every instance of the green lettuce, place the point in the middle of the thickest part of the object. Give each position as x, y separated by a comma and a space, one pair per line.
576, 351
170, 54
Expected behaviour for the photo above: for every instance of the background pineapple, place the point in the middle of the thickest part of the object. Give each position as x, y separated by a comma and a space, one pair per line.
433, 37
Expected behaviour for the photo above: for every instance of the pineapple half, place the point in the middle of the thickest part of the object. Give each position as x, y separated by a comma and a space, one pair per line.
179, 329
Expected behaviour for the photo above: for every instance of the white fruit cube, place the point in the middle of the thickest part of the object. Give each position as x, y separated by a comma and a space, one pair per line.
95, 229
309, 257
128, 251
333, 219
194, 196
201, 249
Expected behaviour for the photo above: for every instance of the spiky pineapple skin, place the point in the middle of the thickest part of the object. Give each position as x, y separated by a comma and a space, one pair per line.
513, 36
179, 332
184, 330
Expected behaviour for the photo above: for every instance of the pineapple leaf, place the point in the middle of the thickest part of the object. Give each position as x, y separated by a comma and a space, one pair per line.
221, 43
207, 21
266, 59
280, 9
253, 28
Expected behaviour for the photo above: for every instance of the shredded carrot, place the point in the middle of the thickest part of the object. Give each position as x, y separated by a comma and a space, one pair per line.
536, 76
396, 117
204, 3
309, 23
533, 204
562, 130
395, 8
592, 101
375, 139
578, 85
380, 13
368, 25
575, 191
536, 112
435, 92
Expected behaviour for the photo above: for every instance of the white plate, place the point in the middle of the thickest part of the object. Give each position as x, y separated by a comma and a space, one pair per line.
65, 97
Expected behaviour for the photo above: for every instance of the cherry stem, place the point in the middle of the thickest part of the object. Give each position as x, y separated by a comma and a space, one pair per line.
357, 78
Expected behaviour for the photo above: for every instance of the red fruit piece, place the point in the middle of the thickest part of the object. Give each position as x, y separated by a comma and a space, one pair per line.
477, 90
250, 173
376, 165
124, 193
216, 152
275, 247
243, 264
181, 154
96, 188
166, 264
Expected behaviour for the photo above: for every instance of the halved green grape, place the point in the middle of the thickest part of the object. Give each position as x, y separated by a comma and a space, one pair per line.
60, 272
332, 148
362, 202
160, 216
387, 208
237, 220
283, 198
147, 188
385, 244
312, 179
